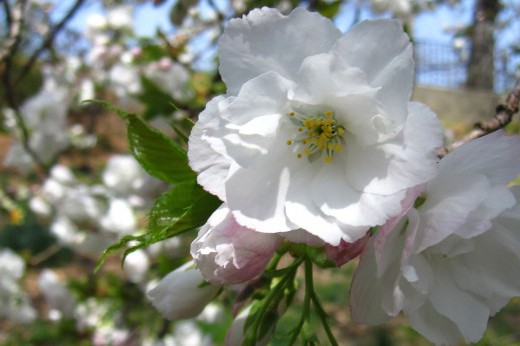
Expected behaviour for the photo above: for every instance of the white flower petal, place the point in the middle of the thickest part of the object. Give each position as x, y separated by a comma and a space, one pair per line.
301, 210
265, 212
208, 157
350, 207
180, 295
470, 314
500, 165
258, 43
400, 163
435, 327
383, 51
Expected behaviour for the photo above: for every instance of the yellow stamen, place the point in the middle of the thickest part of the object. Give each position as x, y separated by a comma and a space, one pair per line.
319, 133
15, 216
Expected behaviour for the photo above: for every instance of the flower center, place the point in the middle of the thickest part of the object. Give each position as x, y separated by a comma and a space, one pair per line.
317, 134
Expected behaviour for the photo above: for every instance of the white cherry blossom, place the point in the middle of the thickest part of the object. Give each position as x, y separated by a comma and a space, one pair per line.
454, 260
45, 116
316, 131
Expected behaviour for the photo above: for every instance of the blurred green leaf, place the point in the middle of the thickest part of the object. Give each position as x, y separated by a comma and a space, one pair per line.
107, 105
156, 100
160, 156
328, 9
150, 52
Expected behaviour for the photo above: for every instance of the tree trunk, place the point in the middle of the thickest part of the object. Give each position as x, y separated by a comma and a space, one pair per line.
481, 61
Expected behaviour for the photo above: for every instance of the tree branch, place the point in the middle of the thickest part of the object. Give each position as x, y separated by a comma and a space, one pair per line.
15, 21
46, 44
11, 45
504, 115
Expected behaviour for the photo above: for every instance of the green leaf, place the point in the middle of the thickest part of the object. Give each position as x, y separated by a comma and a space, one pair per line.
183, 208
107, 105
156, 100
160, 156
112, 249
150, 52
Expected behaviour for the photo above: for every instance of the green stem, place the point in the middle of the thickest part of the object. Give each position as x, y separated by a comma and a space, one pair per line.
274, 295
323, 317
274, 262
309, 290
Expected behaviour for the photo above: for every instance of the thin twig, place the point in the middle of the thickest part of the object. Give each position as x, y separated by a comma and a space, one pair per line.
15, 21
504, 115
47, 43
45, 254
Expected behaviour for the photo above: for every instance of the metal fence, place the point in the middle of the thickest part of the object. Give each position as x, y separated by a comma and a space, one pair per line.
445, 65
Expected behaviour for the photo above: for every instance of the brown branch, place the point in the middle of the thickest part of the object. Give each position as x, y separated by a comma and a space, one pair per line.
504, 115
15, 30
47, 43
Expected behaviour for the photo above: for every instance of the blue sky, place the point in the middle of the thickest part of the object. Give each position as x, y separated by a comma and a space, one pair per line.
429, 25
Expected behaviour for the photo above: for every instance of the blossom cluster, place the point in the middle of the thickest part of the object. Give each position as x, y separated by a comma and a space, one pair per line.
316, 141
82, 208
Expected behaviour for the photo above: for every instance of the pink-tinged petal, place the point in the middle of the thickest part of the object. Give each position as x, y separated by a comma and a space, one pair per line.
382, 293
344, 252
384, 231
265, 40
366, 290
180, 294
228, 253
